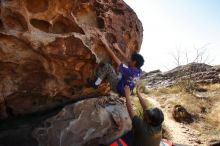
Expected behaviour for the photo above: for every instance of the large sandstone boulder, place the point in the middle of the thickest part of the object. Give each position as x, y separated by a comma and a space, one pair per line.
86, 123
48, 48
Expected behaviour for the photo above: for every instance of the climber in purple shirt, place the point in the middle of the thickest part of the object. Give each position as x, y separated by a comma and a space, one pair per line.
128, 74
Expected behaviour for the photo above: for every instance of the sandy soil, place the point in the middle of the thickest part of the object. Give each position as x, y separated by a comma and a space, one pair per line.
178, 132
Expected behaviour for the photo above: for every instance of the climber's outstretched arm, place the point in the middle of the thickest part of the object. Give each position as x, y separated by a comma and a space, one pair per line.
131, 112
142, 102
122, 53
113, 56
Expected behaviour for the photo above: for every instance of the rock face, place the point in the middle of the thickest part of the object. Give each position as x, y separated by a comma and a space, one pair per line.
86, 123
48, 48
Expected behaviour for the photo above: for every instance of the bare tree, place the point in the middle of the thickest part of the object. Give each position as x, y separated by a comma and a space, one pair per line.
201, 56
176, 58
186, 55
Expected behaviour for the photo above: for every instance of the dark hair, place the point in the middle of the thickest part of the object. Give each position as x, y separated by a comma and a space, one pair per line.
155, 115
138, 58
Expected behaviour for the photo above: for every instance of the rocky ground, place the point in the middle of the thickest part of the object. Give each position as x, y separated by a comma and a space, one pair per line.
197, 72
195, 90
178, 132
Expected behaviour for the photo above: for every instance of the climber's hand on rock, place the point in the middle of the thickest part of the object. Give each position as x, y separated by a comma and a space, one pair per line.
115, 45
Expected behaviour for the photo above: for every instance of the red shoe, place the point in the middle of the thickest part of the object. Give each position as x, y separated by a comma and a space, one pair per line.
165, 142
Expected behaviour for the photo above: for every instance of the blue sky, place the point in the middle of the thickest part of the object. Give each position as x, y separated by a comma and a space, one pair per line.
184, 26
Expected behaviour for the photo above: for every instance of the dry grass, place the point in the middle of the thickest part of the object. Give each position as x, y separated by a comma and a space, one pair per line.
182, 87
163, 91
213, 116
213, 87
208, 122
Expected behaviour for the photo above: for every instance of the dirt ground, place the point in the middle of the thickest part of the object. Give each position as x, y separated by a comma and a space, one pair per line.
206, 125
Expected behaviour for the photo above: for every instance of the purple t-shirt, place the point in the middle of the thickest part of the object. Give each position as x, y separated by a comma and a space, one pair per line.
129, 77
